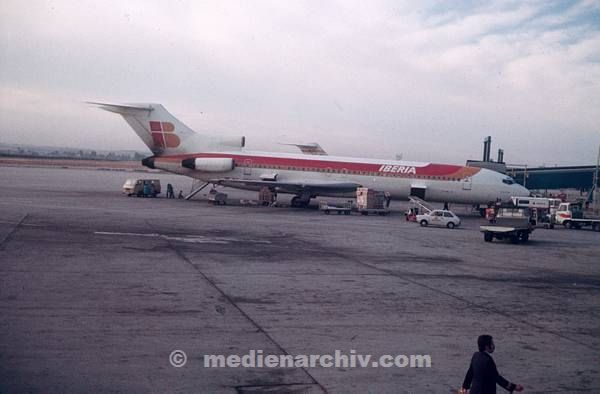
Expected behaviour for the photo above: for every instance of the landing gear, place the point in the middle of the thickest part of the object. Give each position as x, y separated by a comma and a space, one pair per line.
300, 202
482, 212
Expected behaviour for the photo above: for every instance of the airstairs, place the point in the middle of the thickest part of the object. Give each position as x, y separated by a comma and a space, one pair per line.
197, 186
422, 204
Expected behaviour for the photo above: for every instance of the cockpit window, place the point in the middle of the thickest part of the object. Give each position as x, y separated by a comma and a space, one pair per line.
508, 181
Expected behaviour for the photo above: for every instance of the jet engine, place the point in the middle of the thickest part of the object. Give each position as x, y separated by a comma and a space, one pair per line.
209, 164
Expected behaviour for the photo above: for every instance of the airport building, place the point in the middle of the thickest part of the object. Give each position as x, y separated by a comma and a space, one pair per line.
541, 179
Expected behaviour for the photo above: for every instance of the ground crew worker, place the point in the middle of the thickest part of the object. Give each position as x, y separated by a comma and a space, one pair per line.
388, 198
146, 188
274, 199
152, 189
490, 214
170, 193
483, 375
180, 195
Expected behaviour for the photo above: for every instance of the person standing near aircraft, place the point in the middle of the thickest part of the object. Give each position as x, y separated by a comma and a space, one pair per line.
170, 193
388, 198
483, 375
146, 192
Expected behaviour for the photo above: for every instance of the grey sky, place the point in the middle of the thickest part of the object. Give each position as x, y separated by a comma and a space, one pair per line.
374, 79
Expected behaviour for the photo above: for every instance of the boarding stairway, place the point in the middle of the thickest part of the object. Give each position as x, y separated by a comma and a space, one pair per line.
197, 186
420, 203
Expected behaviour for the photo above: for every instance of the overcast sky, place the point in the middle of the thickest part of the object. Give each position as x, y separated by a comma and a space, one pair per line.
425, 79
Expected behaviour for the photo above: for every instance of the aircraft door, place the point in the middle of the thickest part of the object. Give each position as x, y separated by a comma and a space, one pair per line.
418, 192
247, 168
344, 173
466, 184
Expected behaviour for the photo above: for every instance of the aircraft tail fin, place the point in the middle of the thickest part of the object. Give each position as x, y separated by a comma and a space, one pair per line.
163, 133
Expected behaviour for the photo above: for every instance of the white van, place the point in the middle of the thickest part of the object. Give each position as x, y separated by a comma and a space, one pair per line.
141, 187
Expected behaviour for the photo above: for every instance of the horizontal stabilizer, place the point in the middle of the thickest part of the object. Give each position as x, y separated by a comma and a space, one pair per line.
122, 108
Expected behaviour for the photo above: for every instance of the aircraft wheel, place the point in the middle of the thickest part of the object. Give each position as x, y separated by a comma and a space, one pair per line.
296, 202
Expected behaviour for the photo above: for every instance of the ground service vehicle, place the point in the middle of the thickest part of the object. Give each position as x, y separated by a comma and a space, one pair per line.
327, 208
511, 223
439, 217
369, 201
142, 187
217, 198
572, 215
542, 209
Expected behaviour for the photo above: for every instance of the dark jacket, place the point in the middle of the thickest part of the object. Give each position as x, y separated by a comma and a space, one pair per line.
482, 375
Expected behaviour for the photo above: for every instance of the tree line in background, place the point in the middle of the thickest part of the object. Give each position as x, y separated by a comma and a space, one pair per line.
69, 153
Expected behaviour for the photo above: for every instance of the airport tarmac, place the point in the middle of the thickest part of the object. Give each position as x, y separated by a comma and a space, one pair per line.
97, 290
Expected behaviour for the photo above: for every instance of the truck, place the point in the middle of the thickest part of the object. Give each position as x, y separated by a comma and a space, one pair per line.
370, 201
572, 215
141, 187
328, 208
543, 210
512, 223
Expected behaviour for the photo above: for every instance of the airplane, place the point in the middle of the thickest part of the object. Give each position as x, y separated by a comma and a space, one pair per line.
221, 160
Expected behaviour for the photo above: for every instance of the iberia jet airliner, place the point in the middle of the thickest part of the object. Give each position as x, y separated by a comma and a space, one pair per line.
223, 161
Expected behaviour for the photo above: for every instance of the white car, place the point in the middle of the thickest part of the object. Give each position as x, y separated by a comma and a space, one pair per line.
439, 217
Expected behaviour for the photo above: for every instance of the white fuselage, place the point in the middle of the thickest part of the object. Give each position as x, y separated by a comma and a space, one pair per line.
222, 160
437, 182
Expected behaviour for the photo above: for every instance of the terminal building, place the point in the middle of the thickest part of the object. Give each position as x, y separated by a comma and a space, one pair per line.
540, 179
554, 178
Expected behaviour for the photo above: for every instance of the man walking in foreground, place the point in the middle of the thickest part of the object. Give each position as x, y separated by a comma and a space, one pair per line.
482, 375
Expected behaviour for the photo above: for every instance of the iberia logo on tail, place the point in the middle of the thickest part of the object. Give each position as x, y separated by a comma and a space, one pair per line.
163, 135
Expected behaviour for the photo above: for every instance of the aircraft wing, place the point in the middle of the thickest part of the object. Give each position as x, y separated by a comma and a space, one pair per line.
291, 187
309, 149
